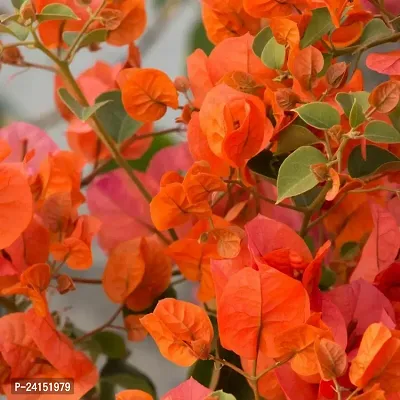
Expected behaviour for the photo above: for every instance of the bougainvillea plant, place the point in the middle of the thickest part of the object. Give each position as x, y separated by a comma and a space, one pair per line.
280, 202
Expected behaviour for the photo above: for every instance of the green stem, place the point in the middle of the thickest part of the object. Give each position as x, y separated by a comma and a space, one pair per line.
315, 205
75, 45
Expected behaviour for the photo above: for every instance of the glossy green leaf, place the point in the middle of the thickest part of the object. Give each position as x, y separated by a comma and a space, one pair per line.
15, 29
381, 132
346, 101
293, 137
295, 174
95, 36
273, 55
221, 395
261, 39
118, 124
56, 11
111, 344
377, 159
83, 113
122, 375
357, 116
320, 24
375, 29
319, 115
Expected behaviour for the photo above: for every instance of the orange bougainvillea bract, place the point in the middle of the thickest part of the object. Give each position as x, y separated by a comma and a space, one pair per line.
223, 192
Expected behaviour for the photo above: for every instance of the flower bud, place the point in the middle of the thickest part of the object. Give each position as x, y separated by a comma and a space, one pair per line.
203, 238
11, 55
335, 133
182, 84
65, 284
28, 11
320, 171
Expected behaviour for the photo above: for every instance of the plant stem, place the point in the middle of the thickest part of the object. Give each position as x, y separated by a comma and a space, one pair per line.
266, 199
324, 215
231, 366
88, 179
355, 49
101, 327
272, 367
337, 389
315, 205
75, 45
94, 121
82, 280
354, 393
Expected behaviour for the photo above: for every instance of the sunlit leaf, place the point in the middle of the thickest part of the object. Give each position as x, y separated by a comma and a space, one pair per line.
295, 175
83, 113
381, 132
319, 115
320, 24
56, 11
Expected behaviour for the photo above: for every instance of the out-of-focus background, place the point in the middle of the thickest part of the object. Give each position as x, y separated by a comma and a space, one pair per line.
174, 29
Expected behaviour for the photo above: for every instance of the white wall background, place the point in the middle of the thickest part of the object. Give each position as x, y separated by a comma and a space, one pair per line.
28, 96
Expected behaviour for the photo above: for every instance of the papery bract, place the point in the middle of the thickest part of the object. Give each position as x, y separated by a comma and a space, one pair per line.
191, 388
182, 331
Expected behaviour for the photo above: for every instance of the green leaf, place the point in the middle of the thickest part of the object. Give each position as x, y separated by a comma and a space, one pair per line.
118, 373
95, 36
327, 63
320, 24
266, 164
17, 3
118, 124
15, 29
319, 115
261, 39
295, 175
198, 39
293, 137
221, 395
395, 117
56, 12
328, 278
381, 132
375, 29
350, 250
305, 199
142, 163
377, 159
346, 101
202, 371
273, 55
83, 113
357, 116
111, 344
